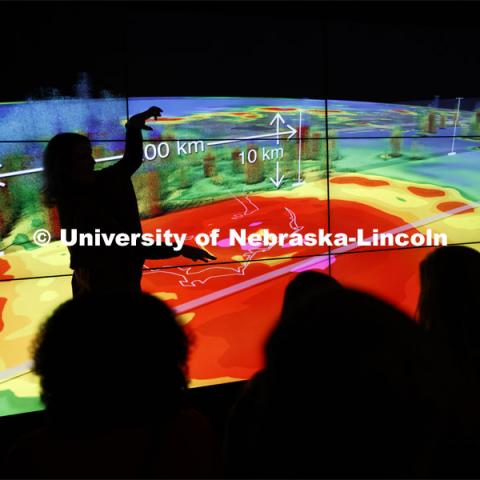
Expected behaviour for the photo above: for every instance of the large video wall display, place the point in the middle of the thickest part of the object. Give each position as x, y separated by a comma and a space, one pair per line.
265, 181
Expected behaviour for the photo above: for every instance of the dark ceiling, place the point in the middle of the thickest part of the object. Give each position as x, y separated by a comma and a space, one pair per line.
378, 51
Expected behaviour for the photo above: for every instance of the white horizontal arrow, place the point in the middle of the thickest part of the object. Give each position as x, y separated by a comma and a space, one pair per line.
20, 172
278, 181
290, 132
107, 159
39, 169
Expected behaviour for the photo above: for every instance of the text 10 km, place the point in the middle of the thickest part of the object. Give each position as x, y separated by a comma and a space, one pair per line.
251, 155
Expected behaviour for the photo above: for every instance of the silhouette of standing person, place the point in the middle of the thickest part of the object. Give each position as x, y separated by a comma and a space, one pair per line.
449, 311
90, 201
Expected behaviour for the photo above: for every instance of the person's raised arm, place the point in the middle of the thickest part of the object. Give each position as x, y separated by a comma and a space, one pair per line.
132, 158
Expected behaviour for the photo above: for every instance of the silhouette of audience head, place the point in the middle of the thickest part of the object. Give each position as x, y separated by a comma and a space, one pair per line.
67, 160
302, 285
351, 326
449, 301
348, 372
111, 356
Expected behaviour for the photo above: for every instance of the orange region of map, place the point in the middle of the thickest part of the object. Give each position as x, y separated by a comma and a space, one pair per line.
426, 192
364, 182
445, 206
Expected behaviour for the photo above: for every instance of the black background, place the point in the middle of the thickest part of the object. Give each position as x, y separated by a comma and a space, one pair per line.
376, 51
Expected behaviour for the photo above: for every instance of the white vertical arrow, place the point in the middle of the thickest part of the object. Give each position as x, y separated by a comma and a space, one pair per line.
277, 118
278, 181
457, 116
299, 167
